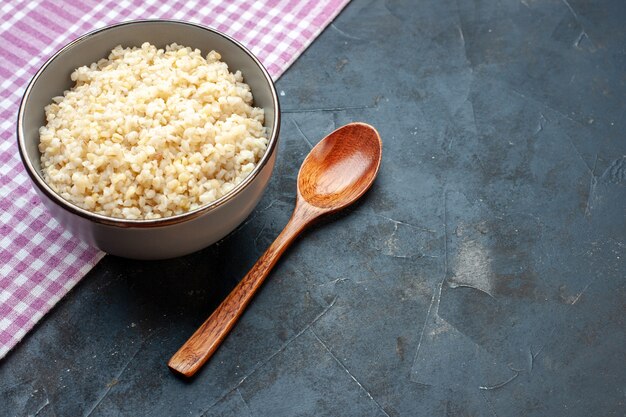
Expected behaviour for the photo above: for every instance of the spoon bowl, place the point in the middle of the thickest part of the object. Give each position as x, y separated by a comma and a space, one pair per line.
337, 171
341, 168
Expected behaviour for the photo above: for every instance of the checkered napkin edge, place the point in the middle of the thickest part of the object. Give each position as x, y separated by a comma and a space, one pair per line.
39, 262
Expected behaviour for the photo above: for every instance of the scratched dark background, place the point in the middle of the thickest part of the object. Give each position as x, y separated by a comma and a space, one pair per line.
483, 275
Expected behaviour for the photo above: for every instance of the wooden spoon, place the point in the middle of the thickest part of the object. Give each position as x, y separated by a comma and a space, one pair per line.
339, 170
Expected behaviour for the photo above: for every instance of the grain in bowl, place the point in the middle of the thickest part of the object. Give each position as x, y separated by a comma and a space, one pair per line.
149, 133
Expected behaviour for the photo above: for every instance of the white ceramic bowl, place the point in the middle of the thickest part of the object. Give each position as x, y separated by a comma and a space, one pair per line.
171, 236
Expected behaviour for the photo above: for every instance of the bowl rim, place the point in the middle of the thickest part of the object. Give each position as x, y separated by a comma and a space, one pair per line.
146, 223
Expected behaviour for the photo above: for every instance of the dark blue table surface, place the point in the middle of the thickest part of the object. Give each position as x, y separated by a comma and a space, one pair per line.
483, 275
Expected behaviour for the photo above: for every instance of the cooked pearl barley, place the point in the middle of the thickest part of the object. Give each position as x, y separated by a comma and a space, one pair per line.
150, 133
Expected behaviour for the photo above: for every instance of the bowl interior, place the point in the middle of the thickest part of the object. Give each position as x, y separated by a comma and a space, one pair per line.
54, 78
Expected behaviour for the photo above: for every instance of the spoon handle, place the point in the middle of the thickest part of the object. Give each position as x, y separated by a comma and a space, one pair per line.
205, 341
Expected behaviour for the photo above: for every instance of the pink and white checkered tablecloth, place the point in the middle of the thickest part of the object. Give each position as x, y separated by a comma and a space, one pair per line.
39, 262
